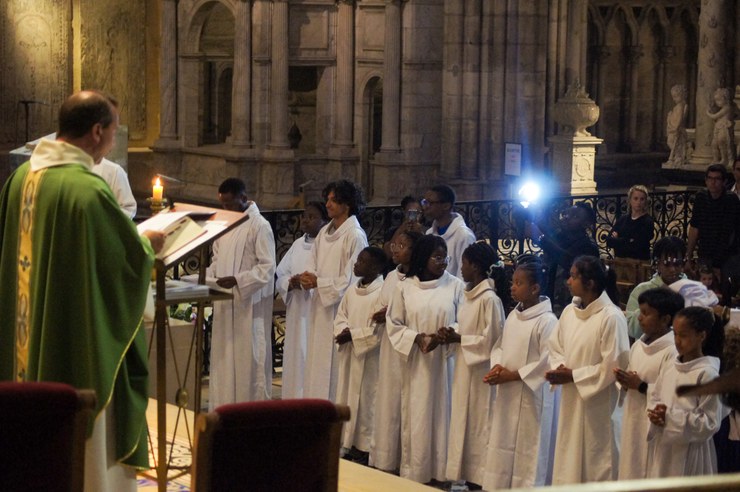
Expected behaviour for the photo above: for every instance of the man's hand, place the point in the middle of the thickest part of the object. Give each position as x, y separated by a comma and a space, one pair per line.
379, 316
448, 335
294, 282
657, 415
629, 380
561, 375
499, 375
308, 280
226, 282
156, 238
343, 337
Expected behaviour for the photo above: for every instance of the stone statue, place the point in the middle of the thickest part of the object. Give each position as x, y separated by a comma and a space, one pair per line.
676, 127
723, 140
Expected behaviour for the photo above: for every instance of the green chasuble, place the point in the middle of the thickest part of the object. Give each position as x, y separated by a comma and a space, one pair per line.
75, 277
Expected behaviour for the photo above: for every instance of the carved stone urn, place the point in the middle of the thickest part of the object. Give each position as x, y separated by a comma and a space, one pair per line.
575, 111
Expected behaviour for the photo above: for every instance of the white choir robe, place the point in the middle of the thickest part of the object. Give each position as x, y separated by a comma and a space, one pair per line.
647, 361
480, 321
241, 355
333, 259
424, 307
385, 452
685, 446
357, 362
297, 308
117, 179
519, 448
592, 342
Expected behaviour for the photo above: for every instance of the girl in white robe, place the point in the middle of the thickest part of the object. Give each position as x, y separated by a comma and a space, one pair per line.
589, 342
356, 335
481, 320
385, 451
648, 356
329, 275
297, 301
681, 428
519, 448
427, 300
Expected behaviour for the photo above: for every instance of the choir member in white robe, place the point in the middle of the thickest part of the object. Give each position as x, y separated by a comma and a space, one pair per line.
480, 321
356, 335
648, 356
116, 177
427, 300
589, 342
520, 438
682, 427
385, 452
243, 261
297, 301
330, 274
439, 204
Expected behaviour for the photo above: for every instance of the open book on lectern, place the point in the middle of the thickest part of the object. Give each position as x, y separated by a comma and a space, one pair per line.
183, 234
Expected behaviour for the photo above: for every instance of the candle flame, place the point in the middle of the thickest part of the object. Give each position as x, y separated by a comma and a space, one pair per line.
157, 182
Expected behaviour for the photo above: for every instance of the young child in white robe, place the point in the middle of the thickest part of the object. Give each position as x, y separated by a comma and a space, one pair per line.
519, 447
481, 320
297, 301
385, 450
356, 336
427, 300
648, 355
588, 343
682, 427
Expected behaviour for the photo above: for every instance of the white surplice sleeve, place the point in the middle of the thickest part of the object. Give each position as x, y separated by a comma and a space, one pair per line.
283, 272
614, 347
401, 336
697, 424
476, 349
263, 272
533, 374
331, 289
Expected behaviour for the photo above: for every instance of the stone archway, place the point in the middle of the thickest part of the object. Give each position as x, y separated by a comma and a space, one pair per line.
371, 130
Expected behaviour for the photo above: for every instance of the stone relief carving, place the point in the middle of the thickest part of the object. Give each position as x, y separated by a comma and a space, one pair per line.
676, 128
34, 53
114, 56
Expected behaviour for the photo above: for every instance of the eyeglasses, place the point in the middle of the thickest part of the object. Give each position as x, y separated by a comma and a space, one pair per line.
671, 262
397, 247
441, 260
426, 203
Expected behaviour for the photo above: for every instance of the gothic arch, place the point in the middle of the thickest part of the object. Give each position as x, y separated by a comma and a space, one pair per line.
369, 126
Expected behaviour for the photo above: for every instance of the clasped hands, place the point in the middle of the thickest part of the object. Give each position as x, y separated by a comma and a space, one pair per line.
306, 280
499, 375
430, 341
657, 415
561, 375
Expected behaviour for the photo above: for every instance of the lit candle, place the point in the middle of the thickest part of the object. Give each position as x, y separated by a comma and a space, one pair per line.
157, 191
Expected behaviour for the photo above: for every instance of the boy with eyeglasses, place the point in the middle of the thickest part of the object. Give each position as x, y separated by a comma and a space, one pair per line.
669, 258
439, 206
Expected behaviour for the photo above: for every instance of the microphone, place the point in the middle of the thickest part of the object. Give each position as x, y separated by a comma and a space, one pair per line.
32, 101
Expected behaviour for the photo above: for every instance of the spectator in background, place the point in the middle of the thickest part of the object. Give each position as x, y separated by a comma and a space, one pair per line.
631, 235
411, 222
439, 203
562, 246
714, 222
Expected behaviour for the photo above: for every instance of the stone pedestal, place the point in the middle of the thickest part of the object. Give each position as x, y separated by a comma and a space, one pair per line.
573, 162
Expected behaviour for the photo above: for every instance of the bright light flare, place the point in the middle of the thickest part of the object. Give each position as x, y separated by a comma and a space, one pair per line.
529, 193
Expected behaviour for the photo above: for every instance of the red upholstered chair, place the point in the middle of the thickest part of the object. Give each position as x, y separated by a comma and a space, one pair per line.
43, 428
274, 445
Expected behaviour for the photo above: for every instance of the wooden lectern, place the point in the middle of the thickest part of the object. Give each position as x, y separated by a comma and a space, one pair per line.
216, 223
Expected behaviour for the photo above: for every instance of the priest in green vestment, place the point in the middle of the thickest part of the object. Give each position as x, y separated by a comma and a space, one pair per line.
75, 276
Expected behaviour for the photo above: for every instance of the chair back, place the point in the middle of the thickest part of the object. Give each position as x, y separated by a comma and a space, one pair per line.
42, 436
274, 445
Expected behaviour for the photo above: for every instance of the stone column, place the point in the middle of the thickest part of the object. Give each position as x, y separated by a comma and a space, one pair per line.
601, 76
241, 120
168, 75
344, 91
665, 53
634, 54
575, 56
392, 77
714, 25
279, 76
